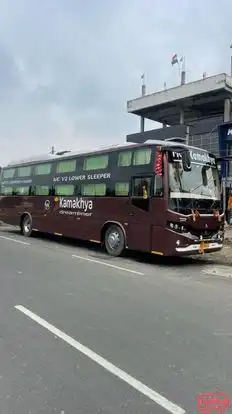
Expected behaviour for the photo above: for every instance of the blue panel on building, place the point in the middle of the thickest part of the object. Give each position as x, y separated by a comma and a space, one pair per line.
225, 145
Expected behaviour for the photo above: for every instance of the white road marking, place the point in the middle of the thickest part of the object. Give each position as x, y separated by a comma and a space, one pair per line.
222, 333
15, 240
223, 271
108, 366
125, 269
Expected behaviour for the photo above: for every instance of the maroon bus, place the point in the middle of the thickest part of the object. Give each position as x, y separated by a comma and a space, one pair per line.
160, 196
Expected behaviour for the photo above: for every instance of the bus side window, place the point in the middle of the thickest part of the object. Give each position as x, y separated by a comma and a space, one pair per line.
158, 186
141, 187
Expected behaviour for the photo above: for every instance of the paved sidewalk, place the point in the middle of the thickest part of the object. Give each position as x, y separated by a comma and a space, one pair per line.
228, 233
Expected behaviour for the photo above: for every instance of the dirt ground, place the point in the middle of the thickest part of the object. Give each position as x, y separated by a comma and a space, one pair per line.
223, 257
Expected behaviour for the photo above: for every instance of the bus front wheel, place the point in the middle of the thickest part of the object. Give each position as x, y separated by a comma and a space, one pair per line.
114, 240
26, 226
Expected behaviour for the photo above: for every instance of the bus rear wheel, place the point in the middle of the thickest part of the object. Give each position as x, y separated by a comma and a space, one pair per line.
114, 240
26, 226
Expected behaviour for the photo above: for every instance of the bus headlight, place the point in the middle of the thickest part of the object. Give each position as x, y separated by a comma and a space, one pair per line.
177, 227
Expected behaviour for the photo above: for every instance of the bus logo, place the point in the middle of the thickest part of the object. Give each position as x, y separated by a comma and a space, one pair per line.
217, 402
75, 203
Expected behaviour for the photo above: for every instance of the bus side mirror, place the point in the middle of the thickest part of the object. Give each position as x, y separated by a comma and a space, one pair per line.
186, 160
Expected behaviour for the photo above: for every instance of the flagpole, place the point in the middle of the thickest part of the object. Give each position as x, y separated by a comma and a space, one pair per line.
183, 72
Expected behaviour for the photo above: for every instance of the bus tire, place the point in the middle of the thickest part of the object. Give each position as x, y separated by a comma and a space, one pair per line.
26, 226
114, 240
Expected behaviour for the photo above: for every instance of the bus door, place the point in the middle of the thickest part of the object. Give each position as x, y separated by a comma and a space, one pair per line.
139, 216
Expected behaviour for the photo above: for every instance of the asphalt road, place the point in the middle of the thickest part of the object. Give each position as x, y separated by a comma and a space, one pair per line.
135, 335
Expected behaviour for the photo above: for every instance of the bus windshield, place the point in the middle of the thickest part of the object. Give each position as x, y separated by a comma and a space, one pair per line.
202, 182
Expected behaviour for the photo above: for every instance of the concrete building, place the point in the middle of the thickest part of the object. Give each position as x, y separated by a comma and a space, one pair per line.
192, 110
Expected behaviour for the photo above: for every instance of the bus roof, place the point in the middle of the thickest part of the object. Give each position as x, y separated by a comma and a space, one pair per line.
71, 154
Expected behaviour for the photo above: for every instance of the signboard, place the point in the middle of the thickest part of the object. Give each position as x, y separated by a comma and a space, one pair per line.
197, 157
225, 145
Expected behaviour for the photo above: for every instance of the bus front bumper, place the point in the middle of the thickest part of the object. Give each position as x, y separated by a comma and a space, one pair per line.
200, 248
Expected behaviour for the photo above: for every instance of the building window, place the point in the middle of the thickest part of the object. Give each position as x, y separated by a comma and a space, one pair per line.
9, 173
96, 163
21, 191
41, 190
122, 189
92, 190
124, 159
43, 169
64, 190
24, 171
66, 166
142, 156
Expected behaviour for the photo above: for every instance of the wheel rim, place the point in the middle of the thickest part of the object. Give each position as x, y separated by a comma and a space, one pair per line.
114, 240
27, 225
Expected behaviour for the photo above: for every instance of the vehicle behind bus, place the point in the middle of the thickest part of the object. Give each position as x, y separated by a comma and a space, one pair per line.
159, 197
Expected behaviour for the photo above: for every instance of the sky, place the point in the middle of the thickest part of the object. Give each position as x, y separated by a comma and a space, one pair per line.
68, 67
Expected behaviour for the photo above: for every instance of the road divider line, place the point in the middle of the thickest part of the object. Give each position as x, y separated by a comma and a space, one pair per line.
124, 269
15, 240
108, 366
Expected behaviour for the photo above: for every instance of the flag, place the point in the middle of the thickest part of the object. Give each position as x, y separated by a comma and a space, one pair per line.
174, 59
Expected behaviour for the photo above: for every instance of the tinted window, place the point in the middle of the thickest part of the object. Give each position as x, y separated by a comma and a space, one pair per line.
121, 189
93, 189
66, 166
43, 169
21, 191
24, 171
64, 190
141, 187
158, 186
124, 158
6, 190
9, 173
96, 163
41, 190
142, 156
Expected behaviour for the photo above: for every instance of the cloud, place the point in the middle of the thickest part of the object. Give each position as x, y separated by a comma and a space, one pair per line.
68, 67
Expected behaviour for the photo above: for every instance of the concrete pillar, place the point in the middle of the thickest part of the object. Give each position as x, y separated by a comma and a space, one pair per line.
187, 136
142, 124
181, 116
142, 119
227, 110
